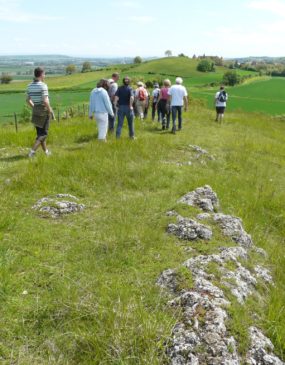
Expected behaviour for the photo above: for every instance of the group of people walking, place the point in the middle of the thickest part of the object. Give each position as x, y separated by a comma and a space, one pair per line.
110, 104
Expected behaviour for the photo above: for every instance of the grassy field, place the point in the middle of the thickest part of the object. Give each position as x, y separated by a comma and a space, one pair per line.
81, 289
264, 95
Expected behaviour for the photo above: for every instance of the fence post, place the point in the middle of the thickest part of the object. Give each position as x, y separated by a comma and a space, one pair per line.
58, 115
16, 122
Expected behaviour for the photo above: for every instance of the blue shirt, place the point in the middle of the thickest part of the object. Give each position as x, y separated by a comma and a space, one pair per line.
124, 93
100, 102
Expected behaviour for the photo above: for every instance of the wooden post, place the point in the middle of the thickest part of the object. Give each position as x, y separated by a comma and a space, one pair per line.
58, 115
16, 122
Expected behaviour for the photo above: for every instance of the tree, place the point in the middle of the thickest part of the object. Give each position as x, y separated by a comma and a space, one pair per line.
138, 59
70, 69
231, 78
86, 67
5, 78
182, 55
168, 53
205, 66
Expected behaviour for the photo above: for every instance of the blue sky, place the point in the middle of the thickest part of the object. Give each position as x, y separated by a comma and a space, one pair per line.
146, 28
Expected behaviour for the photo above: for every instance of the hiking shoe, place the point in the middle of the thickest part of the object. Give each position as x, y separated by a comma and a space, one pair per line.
47, 152
31, 153
133, 137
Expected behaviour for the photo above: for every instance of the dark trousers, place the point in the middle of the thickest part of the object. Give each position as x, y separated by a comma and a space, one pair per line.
164, 112
153, 112
174, 111
111, 119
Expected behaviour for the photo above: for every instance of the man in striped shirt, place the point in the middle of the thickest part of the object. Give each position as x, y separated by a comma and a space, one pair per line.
38, 100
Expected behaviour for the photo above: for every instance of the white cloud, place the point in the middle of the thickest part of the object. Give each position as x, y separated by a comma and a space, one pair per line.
142, 19
130, 4
10, 11
276, 7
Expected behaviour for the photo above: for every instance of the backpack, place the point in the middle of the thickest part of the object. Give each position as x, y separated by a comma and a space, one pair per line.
222, 98
142, 94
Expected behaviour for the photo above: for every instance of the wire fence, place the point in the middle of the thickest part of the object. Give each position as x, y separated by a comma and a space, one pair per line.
59, 114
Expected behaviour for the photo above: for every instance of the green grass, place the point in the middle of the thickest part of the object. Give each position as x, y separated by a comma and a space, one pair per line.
90, 277
259, 96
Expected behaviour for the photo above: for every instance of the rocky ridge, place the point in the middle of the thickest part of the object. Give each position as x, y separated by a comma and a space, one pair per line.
202, 337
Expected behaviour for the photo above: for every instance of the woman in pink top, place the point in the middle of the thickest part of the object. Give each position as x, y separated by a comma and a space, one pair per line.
163, 104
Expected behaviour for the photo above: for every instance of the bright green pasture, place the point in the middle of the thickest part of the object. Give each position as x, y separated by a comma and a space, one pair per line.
11, 103
266, 96
82, 289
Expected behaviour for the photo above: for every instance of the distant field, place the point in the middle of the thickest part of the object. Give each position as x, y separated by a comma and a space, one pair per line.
260, 96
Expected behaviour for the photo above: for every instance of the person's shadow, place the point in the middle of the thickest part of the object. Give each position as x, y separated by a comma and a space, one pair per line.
86, 138
14, 158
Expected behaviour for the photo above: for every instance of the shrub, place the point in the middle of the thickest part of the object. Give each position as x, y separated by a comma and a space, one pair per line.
6, 79
231, 78
205, 66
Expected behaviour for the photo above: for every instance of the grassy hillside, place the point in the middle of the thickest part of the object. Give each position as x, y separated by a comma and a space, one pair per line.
262, 96
265, 95
81, 289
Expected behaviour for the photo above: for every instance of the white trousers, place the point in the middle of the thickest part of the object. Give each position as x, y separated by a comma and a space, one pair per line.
102, 123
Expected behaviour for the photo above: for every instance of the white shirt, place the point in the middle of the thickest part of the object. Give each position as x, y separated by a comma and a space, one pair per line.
177, 93
220, 103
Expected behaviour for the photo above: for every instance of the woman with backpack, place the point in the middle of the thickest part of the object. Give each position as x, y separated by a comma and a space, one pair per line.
221, 98
141, 99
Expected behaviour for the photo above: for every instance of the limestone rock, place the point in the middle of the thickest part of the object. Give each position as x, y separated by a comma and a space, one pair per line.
204, 198
261, 348
188, 229
232, 227
54, 206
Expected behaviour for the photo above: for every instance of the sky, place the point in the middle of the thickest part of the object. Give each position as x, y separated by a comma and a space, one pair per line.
146, 28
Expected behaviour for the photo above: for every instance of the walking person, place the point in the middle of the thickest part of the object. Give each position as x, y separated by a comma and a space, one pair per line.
163, 107
155, 97
178, 98
100, 106
141, 99
124, 99
147, 102
221, 98
38, 100
112, 91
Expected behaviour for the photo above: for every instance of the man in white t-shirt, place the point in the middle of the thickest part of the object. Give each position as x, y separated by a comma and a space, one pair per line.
178, 98
112, 91
221, 98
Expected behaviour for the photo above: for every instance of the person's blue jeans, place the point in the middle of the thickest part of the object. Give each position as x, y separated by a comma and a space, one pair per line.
174, 111
125, 111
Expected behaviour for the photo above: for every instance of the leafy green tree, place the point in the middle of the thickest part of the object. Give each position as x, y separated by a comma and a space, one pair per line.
205, 66
86, 67
231, 78
138, 59
70, 69
168, 53
5, 78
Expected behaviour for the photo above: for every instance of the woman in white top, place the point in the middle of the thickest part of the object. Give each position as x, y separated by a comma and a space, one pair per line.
100, 106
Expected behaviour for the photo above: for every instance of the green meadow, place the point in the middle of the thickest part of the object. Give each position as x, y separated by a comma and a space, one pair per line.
82, 289
71, 90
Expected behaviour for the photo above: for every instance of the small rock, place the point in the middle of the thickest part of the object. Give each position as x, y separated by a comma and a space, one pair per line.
204, 198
